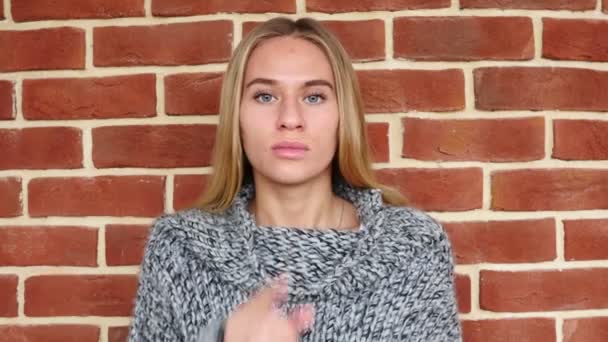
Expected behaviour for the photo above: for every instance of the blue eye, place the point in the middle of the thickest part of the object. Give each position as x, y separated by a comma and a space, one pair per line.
263, 97
317, 98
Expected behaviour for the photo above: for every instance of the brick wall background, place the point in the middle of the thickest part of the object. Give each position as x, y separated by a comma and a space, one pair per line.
489, 115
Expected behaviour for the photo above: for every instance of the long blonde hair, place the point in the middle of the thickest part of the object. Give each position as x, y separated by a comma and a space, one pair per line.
352, 160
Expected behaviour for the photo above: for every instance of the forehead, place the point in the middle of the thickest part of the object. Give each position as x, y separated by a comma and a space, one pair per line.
288, 59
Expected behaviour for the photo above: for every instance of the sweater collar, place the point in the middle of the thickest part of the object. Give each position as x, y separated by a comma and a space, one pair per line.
236, 262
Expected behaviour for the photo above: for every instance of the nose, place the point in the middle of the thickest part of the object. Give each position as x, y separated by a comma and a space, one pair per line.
290, 115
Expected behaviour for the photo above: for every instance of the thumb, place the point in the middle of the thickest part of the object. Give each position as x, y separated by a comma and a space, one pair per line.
274, 293
302, 318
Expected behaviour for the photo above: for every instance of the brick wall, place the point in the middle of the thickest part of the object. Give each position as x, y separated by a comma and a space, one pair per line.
490, 115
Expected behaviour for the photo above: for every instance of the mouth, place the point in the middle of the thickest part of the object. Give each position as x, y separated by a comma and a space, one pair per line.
290, 150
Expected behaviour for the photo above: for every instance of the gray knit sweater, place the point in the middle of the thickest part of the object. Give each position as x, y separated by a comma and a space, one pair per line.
392, 280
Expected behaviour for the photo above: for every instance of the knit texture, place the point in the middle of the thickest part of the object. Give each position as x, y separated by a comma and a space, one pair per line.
391, 280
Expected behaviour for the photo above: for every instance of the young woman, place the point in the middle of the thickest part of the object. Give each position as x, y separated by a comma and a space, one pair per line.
294, 239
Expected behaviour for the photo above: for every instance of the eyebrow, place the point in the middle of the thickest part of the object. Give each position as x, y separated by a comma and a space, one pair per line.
310, 83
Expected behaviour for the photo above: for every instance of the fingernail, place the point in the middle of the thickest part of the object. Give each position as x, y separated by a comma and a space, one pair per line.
283, 278
282, 283
309, 308
312, 314
277, 309
278, 280
308, 324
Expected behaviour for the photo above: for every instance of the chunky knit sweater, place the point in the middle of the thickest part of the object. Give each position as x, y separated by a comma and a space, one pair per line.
391, 280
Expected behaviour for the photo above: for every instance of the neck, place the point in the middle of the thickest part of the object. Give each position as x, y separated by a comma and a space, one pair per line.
307, 205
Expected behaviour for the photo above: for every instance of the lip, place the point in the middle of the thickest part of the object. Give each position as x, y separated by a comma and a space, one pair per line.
290, 150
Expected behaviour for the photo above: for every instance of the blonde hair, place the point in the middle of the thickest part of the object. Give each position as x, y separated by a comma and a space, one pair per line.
352, 160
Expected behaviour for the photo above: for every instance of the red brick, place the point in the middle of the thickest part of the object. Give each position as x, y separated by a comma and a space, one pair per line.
377, 133
97, 196
586, 239
544, 290
125, 244
550, 189
80, 295
49, 333
188, 189
592, 329
350, 34
118, 334
463, 292
512, 241
463, 38
2, 10
574, 5
41, 148
49, 48
8, 295
605, 6
191, 94
508, 330
182, 43
55, 246
580, 140
132, 96
412, 90
575, 39
169, 8
7, 105
28, 10
372, 5
10, 197
540, 88
166, 146
489, 140
434, 189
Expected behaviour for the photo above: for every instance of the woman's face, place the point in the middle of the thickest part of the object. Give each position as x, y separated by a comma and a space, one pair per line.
289, 113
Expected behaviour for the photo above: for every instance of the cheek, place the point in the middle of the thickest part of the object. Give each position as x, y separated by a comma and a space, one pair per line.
249, 124
254, 133
325, 126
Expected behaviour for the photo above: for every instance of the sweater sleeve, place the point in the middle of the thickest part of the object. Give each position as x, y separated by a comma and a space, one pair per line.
154, 317
428, 299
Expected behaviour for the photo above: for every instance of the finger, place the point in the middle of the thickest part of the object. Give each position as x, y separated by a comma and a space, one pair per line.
302, 318
283, 329
279, 289
274, 293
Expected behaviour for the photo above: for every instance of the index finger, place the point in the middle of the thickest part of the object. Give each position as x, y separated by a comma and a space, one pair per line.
274, 293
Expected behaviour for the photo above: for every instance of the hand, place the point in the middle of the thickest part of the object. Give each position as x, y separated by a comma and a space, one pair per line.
260, 320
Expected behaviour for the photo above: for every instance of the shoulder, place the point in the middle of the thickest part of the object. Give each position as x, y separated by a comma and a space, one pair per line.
179, 244
413, 223
181, 227
416, 232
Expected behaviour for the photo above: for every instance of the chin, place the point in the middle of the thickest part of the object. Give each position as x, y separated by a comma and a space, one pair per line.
289, 178
290, 175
